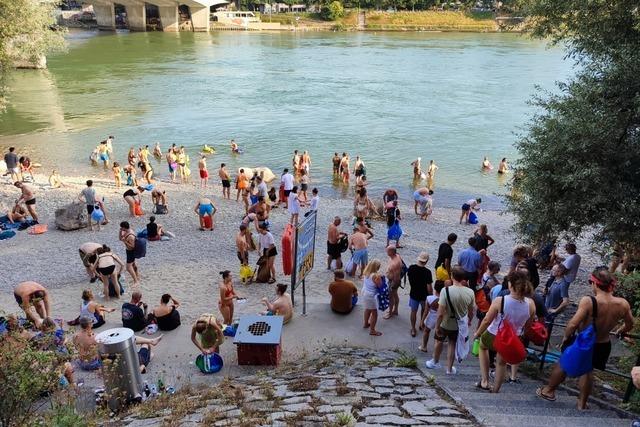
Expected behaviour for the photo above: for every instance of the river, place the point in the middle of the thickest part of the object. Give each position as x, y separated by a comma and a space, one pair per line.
388, 97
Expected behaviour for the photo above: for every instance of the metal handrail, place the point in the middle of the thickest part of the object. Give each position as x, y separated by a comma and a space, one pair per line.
545, 349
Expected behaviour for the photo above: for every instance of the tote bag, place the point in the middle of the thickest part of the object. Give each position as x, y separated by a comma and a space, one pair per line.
577, 359
507, 343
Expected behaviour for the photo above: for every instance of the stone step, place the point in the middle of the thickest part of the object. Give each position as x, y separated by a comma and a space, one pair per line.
480, 398
545, 420
497, 412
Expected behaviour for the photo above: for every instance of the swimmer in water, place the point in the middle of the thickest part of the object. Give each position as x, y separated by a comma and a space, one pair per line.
503, 167
486, 165
234, 146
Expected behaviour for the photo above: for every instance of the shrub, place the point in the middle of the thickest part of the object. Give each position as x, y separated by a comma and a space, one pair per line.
333, 11
628, 287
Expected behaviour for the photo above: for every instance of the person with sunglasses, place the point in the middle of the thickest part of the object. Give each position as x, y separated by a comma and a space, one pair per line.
605, 312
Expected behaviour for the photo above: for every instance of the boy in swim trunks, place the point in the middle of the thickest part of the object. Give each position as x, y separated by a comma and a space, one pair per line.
605, 312
226, 181
358, 242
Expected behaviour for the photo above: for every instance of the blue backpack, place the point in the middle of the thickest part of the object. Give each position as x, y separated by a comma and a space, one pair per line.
473, 218
577, 359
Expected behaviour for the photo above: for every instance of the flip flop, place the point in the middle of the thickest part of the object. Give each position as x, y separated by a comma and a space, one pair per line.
413, 333
544, 396
422, 349
479, 385
387, 316
376, 333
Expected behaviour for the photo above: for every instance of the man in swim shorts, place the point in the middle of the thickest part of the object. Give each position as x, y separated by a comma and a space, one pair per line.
394, 272
204, 173
242, 246
226, 181
605, 312
358, 243
29, 199
128, 237
333, 247
33, 299
88, 256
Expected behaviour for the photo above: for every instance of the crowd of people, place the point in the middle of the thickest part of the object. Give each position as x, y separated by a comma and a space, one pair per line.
443, 302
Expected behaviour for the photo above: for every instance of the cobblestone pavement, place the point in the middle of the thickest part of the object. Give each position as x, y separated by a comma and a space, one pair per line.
342, 387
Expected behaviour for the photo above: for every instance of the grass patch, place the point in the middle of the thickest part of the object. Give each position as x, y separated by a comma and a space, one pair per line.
405, 360
304, 384
430, 21
344, 419
373, 361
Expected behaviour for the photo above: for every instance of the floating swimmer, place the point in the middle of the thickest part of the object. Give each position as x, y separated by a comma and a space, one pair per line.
486, 165
208, 150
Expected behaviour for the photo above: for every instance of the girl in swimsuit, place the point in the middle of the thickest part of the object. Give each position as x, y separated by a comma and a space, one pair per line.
227, 295
105, 267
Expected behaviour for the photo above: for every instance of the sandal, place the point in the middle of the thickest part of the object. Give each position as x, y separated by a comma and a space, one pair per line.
413, 333
479, 385
422, 349
544, 396
386, 315
271, 281
376, 333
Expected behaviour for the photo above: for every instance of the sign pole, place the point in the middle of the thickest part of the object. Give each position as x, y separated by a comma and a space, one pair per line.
295, 266
304, 297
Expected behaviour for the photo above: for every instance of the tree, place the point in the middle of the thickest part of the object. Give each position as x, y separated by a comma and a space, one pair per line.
333, 11
579, 170
26, 36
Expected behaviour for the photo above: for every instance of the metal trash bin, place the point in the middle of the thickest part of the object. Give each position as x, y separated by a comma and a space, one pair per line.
120, 366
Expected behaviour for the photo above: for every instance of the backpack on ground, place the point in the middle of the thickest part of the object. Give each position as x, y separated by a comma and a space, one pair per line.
140, 247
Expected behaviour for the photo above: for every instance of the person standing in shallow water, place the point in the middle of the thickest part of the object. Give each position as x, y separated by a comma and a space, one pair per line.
336, 164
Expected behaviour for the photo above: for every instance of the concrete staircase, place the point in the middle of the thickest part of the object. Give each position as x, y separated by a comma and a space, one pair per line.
517, 404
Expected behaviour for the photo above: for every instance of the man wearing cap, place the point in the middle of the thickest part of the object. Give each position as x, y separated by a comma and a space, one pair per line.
420, 282
344, 293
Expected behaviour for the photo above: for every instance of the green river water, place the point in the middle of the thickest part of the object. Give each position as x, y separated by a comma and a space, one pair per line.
389, 97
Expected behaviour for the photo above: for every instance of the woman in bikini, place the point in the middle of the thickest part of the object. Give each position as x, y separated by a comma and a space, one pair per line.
206, 334
105, 267
227, 295
133, 197
362, 204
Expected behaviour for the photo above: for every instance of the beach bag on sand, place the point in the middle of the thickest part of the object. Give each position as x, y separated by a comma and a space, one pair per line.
209, 363
160, 209
577, 359
473, 218
263, 274
140, 248
246, 273
507, 343
97, 215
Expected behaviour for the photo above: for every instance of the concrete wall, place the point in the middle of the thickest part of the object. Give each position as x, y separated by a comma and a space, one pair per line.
200, 18
169, 18
105, 16
136, 17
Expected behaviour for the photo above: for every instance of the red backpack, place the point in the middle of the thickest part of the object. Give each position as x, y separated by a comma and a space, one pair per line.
507, 343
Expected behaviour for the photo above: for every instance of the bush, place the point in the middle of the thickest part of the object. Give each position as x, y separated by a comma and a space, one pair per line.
333, 11
628, 287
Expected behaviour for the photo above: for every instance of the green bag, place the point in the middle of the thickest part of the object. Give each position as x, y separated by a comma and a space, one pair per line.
476, 347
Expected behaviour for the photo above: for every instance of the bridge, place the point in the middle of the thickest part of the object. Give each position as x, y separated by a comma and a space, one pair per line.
198, 11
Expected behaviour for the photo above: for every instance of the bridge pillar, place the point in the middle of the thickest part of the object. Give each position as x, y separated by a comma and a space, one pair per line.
200, 18
105, 16
169, 18
136, 16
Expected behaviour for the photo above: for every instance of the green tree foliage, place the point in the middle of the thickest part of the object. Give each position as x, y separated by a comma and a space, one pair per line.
579, 169
332, 11
26, 36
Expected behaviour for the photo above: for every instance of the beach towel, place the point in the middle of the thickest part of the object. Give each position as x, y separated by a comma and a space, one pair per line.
38, 229
7, 234
383, 295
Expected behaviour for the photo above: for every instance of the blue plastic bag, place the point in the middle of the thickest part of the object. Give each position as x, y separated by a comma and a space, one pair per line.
473, 218
395, 231
97, 215
577, 359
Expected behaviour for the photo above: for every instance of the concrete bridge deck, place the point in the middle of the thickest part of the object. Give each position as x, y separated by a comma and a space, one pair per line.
137, 15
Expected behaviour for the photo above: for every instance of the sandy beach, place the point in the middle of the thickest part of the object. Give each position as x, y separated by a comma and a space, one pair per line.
188, 266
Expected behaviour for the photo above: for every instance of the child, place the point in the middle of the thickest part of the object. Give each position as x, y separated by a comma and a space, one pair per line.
489, 281
431, 315
117, 174
393, 218
315, 200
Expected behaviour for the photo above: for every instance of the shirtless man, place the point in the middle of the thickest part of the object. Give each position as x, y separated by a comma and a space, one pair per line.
336, 164
333, 249
242, 246
359, 242
261, 209
29, 199
394, 270
344, 168
431, 174
88, 256
281, 306
17, 214
417, 168
103, 154
33, 298
171, 163
226, 181
128, 237
204, 173
609, 312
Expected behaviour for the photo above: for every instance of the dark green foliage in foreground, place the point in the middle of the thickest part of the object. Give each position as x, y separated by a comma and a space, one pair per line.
580, 158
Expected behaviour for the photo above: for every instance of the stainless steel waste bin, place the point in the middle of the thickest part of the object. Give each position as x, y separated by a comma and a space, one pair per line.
121, 369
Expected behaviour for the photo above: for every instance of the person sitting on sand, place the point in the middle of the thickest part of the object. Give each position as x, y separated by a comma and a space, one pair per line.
205, 208
227, 295
159, 200
145, 354
156, 231
17, 214
134, 313
133, 197
166, 314
55, 181
33, 299
93, 310
85, 342
344, 293
105, 267
281, 306
206, 334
